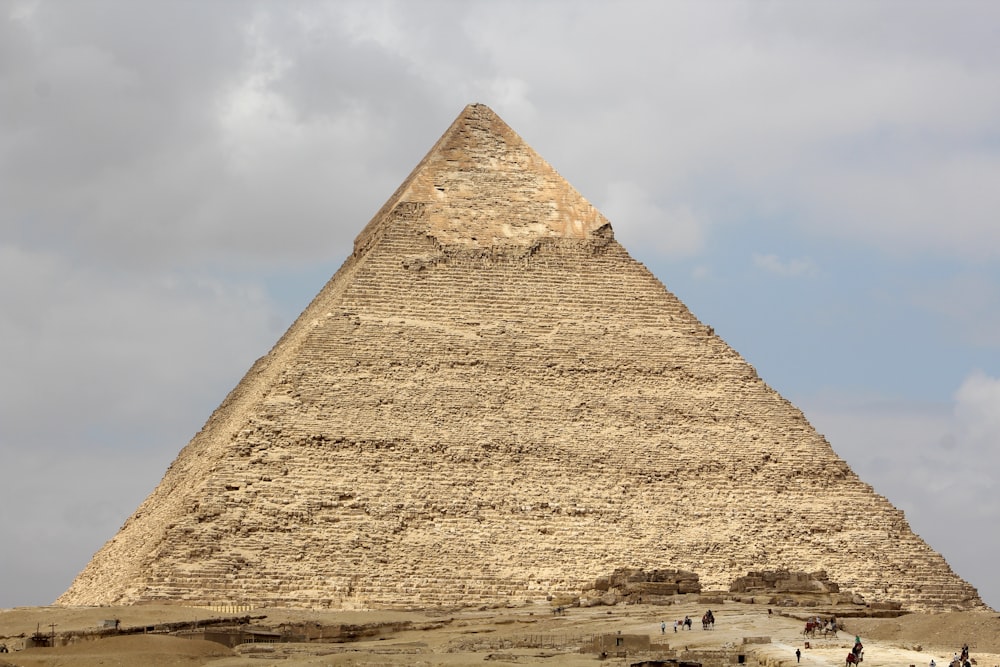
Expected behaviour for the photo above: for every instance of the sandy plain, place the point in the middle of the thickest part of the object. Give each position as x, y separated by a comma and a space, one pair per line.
528, 635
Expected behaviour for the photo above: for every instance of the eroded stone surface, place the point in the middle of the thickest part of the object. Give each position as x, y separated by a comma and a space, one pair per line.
490, 402
783, 581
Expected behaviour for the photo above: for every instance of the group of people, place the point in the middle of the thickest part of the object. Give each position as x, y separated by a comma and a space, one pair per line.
685, 624
853, 658
817, 624
962, 659
959, 659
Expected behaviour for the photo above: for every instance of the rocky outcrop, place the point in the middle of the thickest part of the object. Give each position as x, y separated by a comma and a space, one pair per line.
783, 581
492, 402
636, 585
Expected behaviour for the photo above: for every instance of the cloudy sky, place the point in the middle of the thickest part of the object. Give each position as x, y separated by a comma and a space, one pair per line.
818, 181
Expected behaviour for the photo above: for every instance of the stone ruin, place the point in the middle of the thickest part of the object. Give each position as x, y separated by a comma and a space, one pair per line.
634, 585
783, 581
492, 403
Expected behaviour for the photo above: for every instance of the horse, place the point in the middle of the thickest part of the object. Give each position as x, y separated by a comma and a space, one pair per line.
687, 622
707, 622
854, 658
830, 630
810, 629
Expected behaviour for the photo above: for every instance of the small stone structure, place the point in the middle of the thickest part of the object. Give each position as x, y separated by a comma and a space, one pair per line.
618, 645
783, 581
635, 585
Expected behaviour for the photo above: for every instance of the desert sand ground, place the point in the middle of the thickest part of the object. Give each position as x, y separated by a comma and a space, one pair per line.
530, 635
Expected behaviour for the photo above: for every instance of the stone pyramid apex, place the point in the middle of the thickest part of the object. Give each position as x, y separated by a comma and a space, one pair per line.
482, 186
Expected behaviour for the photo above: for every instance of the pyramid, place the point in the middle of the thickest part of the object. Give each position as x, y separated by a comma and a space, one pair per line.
492, 402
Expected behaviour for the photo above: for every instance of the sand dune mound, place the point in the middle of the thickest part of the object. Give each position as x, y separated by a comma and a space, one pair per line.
980, 630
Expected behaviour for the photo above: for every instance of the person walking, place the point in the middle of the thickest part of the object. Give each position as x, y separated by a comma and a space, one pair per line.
798, 655
663, 627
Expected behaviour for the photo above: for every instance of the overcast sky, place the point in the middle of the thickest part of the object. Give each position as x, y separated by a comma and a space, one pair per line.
818, 181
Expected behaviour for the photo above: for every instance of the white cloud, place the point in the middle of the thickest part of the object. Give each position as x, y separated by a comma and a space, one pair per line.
965, 305
701, 272
977, 414
939, 201
673, 231
105, 352
791, 268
